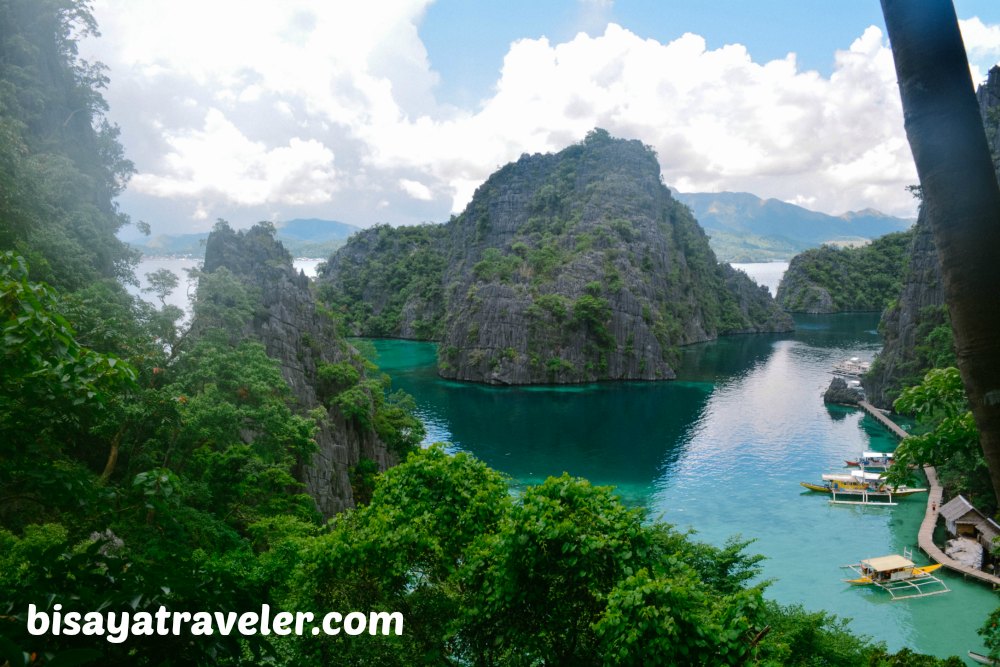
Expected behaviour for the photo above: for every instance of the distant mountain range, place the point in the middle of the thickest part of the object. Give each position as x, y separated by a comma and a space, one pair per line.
741, 228
303, 237
745, 228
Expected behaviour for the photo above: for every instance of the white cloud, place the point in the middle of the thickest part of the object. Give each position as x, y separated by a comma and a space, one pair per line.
219, 160
717, 119
253, 115
416, 189
983, 45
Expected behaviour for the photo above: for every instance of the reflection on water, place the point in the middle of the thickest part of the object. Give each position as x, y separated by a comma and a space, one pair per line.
722, 450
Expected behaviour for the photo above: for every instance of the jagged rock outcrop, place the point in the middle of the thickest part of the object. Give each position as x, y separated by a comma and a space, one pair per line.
833, 280
286, 321
797, 294
567, 267
916, 328
841, 393
988, 95
907, 322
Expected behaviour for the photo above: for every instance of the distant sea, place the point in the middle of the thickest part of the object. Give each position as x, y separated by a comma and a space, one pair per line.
767, 274
181, 296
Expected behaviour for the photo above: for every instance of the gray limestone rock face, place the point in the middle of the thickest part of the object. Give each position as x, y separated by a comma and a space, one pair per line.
841, 393
288, 324
919, 307
921, 304
796, 293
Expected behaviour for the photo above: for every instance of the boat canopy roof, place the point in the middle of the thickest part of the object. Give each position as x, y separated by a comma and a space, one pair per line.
876, 455
887, 563
830, 477
867, 476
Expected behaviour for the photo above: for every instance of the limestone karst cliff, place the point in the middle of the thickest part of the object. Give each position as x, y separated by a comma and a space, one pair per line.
567, 267
284, 317
916, 327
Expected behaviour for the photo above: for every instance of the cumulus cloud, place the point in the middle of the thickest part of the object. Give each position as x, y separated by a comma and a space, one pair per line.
416, 189
717, 119
983, 45
252, 114
220, 160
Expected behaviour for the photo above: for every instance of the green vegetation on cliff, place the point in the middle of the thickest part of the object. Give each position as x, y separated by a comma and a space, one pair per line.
387, 282
833, 280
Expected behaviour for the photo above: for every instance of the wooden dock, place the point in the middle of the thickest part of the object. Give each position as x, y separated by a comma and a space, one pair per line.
925, 538
879, 416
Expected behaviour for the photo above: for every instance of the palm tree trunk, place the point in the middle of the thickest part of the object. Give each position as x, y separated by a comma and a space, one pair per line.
960, 194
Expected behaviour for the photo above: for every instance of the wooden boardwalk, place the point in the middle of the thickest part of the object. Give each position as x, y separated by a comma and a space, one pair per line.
925, 538
882, 419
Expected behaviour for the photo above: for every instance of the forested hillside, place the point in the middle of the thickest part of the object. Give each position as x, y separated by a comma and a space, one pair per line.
60, 162
836, 280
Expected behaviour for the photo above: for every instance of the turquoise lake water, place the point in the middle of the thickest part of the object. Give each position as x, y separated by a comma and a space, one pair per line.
721, 450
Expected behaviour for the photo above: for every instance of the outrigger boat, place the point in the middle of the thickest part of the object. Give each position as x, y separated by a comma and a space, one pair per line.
862, 486
872, 461
852, 367
982, 659
899, 576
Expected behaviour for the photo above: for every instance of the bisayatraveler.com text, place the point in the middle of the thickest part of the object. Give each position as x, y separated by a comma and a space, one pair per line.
117, 627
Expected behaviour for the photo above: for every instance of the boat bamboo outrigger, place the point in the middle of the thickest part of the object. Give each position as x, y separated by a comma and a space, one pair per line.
863, 487
898, 576
983, 659
872, 461
852, 367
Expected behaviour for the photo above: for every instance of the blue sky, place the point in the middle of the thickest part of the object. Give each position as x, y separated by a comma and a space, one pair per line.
396, 110
466, 41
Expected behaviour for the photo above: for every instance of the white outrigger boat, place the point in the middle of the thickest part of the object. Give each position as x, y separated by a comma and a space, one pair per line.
852, 367
898, 576
863, 487
983, 659
872, 461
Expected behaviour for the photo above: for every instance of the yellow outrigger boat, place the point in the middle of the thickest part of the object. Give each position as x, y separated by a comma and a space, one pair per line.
861, 486
899, 576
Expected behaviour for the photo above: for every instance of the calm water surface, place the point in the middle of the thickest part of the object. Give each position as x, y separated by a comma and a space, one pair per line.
721, 450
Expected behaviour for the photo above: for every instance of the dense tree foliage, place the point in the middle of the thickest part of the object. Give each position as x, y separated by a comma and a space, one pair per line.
830, 279
407, 268
565, 574
60, 161
946, 437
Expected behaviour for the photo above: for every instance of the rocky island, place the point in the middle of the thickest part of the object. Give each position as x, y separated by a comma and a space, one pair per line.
249, 284
567, 267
